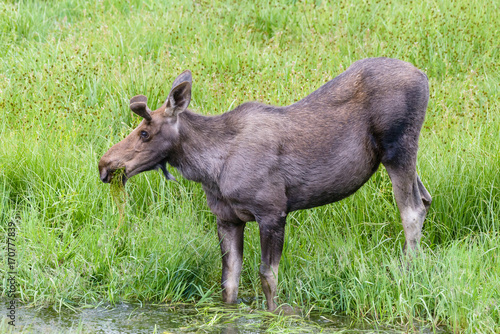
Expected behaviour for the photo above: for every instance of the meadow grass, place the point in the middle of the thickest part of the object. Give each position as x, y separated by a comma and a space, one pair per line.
68, 69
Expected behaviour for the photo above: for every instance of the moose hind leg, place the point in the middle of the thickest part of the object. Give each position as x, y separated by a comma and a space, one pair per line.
413, 201
272, 232
231, 245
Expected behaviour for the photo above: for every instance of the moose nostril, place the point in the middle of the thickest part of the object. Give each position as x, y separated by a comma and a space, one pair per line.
104, 175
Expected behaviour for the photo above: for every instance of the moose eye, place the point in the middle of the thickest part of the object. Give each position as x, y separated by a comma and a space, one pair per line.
144, 134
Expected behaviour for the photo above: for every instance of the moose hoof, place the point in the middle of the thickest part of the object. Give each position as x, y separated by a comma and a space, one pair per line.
286, 309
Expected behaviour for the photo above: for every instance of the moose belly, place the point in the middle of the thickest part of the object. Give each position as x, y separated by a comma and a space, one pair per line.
319, 188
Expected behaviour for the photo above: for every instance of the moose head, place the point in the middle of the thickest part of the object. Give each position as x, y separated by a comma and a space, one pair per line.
149, 145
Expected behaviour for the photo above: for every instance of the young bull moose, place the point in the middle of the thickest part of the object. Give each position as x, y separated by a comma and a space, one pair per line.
260, 162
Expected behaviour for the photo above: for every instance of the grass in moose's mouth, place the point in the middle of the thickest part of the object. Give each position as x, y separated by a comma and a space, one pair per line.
119, 195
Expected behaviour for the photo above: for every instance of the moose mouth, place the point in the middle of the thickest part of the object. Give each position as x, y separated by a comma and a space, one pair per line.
121, 175
162, 165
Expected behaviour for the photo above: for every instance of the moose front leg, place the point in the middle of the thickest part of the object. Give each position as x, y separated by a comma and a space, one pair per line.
272, 232
231, 245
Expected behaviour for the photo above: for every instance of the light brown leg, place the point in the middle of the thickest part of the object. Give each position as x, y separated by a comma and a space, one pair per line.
413, 202
231, 245
272, 232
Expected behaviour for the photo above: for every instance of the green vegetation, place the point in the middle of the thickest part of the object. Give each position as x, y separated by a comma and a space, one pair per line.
118, 193
69, 67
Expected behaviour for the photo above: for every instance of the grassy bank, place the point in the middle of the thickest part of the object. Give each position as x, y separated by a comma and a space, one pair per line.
68, 68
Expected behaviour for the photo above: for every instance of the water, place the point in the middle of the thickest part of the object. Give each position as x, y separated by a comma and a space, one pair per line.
179, 318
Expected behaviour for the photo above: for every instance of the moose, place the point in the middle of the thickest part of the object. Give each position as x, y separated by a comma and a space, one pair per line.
259, 162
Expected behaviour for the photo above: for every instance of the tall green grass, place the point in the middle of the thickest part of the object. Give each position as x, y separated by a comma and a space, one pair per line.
68, 68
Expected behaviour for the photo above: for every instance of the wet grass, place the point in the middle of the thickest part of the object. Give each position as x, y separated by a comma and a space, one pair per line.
118, 193
68, 69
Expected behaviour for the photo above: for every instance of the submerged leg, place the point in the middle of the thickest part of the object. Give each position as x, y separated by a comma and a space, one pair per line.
231, 245
413, 201
272, 232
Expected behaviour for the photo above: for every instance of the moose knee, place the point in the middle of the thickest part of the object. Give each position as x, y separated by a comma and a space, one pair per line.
413, 217
413, 220
268, 277
267, 272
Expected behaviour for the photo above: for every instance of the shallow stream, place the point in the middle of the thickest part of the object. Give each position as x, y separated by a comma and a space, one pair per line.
137, 318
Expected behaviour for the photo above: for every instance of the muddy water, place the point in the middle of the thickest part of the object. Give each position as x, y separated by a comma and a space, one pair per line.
136, 318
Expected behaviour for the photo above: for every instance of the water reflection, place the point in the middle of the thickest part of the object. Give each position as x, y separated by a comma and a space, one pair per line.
137, 318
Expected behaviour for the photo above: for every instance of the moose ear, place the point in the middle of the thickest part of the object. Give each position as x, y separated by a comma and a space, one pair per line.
184, 76
138, 104
179, 97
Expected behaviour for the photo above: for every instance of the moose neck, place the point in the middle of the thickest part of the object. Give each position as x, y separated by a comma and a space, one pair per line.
203, 146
